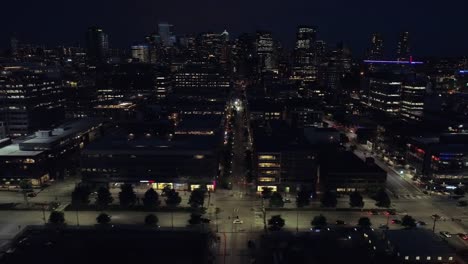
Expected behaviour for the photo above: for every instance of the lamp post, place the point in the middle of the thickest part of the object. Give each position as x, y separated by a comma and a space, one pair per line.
436, 218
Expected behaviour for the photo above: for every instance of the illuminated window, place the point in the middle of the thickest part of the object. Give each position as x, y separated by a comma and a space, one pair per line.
450, 258
417, 257
268, 165
198, 157
266, 179
266, 157
406, 257
428, 258
439, 258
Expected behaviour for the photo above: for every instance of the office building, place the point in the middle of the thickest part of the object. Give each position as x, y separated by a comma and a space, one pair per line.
165, 33
97, 46
403, 47
185, 162
413, 92
265, 52
384, 93
141, 53
46, 154
376, 51
304, 66
201, 82
283, 159
352, 174
31, 98
442, 159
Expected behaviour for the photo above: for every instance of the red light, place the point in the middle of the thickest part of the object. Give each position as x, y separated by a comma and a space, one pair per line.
151, 181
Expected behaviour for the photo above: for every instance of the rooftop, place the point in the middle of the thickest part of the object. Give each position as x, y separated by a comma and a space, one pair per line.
119, 244
418, 242
13, 150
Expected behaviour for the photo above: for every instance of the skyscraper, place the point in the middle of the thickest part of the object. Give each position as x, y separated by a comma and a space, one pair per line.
304, 53
403, 48
165, 33
376, 51
97, 46
265, 48
141, 53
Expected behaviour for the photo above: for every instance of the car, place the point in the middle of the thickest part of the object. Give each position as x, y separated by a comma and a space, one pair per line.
396, 221
390, 212
421, 223
31, 194
237, 221
340, 222
445, 234
287, 200
373, 212
382, 226
463, 236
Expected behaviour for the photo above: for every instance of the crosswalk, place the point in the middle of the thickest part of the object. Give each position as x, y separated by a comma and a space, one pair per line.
412, 197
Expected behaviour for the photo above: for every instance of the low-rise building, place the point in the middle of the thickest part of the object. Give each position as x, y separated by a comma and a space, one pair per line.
345, 172
419, 246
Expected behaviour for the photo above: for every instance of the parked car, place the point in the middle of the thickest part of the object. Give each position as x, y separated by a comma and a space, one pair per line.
463, 236
340, 222
396, 221
373, 212
31, 194
421, 223
237, 221
287, 200
445, 234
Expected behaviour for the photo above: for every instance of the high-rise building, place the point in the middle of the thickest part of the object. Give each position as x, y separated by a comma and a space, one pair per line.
30, 99
265, 48
201, 82
376, 51
97, 45
403, 48
165, 33
413, 92
304, 67
141, 53
385, 94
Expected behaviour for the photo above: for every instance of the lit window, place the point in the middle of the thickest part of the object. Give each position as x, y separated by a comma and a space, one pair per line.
417, 257
406, 257
428, 258
439, 258
450, 258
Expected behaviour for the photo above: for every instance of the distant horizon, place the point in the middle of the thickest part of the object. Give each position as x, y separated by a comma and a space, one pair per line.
436, 29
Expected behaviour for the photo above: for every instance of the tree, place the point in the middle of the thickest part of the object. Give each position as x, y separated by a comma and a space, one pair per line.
364, 222
103, 219
57, 218
408, 221
166, 190
459, 191
319, 221
355, 200
276, 200
127, 196
80, 196
382, 198
151, 220
303, 198
329, 199
195, 219
26, 186
104, 197
266, 192
197, 198
275, 223
151, 199
172, 198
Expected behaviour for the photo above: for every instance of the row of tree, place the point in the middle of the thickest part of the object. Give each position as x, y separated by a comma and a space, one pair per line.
329, 199
128, 198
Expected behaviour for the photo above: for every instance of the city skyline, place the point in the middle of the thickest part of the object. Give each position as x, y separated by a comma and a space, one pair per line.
336, 21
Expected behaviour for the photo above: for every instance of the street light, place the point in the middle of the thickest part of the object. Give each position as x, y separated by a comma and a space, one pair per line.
436, 218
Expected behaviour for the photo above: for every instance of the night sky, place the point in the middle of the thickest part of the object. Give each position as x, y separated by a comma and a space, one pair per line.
437, 29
